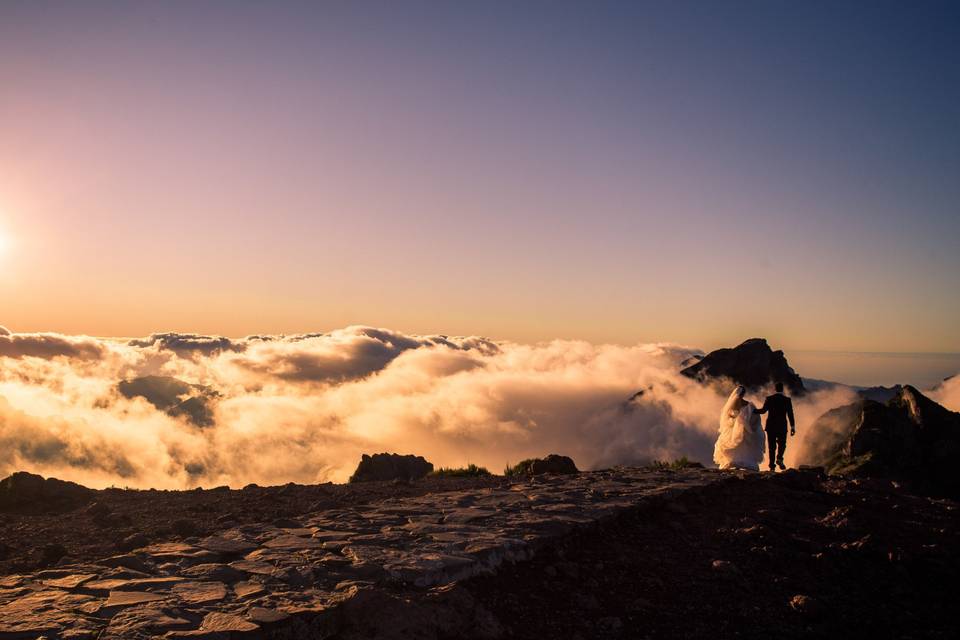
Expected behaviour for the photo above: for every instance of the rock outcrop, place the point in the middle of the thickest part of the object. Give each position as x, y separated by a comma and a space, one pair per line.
174, 397
391, 466
909, 437
752, 363
28, 492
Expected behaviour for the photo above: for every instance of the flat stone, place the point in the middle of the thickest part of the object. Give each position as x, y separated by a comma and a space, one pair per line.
42, 612
8, 582
253, 566
168, 548
147, 619
127, 560
10, 594
120, 599
262, 615
325, 535
270, 556
293, 543
248, 589
227, 546
226, 623
214, 571
47, 574
71, 581
123, 572
106, 585
136, 584
200, 592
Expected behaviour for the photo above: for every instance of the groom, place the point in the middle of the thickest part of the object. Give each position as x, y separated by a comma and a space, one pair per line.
780, 408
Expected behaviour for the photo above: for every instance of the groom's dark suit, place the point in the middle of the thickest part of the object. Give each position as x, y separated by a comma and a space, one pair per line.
780, 409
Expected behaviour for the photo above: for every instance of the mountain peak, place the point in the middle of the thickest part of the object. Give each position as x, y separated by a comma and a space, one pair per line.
752, 363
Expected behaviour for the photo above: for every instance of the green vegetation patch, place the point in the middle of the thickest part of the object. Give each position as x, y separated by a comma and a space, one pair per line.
469, 471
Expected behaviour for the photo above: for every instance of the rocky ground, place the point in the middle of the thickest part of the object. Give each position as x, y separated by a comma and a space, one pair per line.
35, 538
619, 554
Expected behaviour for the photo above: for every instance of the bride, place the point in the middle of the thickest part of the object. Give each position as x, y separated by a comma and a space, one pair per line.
741, 439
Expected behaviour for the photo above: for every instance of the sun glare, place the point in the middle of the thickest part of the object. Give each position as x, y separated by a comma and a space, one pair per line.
4, 243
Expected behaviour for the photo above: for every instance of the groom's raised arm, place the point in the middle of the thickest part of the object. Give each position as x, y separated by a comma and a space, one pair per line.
765, 406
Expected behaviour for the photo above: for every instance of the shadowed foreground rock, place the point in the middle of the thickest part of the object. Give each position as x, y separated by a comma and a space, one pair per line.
390, 466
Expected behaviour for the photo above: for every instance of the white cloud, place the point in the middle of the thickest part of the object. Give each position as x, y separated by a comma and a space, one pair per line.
304, 408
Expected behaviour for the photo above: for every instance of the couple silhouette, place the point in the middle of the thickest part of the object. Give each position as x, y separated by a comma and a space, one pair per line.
740, 442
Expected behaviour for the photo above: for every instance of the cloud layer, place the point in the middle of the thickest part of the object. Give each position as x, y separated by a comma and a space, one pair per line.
182, 410
947, 393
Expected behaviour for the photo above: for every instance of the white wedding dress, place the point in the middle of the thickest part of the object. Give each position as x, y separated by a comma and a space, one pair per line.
741, 440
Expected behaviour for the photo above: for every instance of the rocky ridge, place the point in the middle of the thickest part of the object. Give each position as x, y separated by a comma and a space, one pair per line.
909, 437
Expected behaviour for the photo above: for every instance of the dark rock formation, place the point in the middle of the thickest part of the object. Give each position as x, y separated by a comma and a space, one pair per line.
30, 493
909, 437
175, 397
880, 394
753, 364
390, 466
553, 463
829, 434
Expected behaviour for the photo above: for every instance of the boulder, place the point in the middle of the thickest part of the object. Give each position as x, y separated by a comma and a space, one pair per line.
390, 466
30, 493
552, 463
753, 364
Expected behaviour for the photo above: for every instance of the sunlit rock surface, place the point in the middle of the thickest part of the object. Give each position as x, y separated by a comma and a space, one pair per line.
261, 580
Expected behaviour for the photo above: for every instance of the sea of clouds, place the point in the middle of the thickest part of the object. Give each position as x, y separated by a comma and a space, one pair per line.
303, 408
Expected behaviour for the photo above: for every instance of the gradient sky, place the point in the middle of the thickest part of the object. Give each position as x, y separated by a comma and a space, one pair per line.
698, 172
